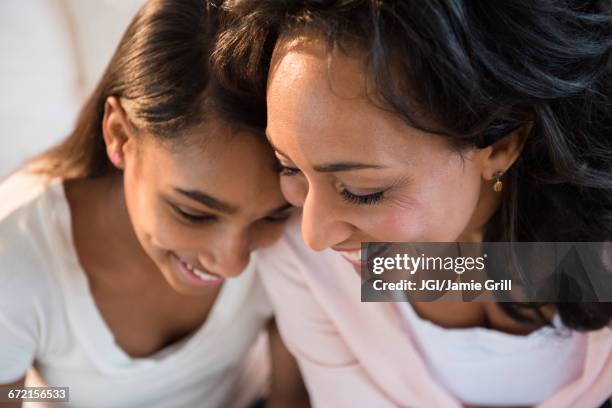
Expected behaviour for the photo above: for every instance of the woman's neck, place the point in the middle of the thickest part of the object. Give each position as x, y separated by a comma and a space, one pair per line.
488, 203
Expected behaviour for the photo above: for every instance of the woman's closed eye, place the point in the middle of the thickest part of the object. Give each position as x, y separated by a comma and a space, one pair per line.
366, 199
348, 196
285, 170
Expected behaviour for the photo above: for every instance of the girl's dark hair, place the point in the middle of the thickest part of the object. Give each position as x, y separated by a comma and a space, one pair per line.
479, 69
161, 70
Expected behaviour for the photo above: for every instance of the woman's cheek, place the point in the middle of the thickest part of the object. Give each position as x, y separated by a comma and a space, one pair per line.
397, 224
294, 189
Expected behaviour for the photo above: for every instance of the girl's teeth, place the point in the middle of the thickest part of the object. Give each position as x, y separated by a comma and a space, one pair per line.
203, 275
199, 273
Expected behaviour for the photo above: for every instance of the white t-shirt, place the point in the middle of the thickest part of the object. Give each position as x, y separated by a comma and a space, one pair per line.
49, 320
487, 367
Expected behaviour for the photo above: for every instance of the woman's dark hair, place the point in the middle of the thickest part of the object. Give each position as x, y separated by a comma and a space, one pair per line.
161, 70
479, 69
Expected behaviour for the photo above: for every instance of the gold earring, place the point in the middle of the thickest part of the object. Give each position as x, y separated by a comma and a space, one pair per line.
499, 185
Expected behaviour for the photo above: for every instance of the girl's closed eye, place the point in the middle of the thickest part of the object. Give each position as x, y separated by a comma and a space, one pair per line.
278, 218
190, 216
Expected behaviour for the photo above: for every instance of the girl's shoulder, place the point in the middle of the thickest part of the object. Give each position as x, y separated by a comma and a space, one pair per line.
29, 226
29, 253
21, 189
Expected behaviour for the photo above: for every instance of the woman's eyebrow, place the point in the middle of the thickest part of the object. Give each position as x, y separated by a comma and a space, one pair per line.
345, 166
333, 167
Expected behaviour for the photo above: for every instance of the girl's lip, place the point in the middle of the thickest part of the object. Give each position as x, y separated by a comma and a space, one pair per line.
191, 275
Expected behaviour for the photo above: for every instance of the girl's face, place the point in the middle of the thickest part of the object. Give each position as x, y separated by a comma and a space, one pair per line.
198, 210
360, 173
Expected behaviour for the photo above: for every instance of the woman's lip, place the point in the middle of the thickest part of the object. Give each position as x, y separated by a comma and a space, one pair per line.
372, 252
346, 249
353, 256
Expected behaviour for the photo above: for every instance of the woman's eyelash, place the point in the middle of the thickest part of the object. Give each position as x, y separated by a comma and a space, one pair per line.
349, 197
288, 171
368, 199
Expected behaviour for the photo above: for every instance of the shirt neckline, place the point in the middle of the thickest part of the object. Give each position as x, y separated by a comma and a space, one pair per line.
481, 338
89, 326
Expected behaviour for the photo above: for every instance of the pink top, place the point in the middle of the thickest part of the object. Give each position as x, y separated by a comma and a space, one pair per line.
355, 354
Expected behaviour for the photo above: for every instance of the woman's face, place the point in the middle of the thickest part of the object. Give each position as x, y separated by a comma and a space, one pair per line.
199, 209
360, 173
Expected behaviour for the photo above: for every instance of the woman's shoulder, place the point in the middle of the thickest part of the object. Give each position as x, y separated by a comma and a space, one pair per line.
290, 245
292, 253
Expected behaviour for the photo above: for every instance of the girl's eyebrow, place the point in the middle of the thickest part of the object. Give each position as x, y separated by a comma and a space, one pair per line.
208, 200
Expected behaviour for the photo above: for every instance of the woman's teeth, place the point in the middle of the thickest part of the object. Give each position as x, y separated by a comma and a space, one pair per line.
353, 256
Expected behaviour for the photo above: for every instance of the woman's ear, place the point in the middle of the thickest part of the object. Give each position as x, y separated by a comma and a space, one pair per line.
501, 155
116, 131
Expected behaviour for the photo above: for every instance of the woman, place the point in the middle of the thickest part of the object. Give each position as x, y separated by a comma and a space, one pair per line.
124, 251
438, 121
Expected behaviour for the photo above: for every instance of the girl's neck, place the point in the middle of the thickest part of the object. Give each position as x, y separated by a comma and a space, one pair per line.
102, 229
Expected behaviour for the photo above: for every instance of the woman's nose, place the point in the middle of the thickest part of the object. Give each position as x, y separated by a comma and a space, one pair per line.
323, 225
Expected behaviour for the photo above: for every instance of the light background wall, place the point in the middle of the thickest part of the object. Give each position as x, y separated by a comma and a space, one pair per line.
52, 53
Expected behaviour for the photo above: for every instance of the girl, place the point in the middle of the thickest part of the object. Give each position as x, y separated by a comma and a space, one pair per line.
124, 251
436, 121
